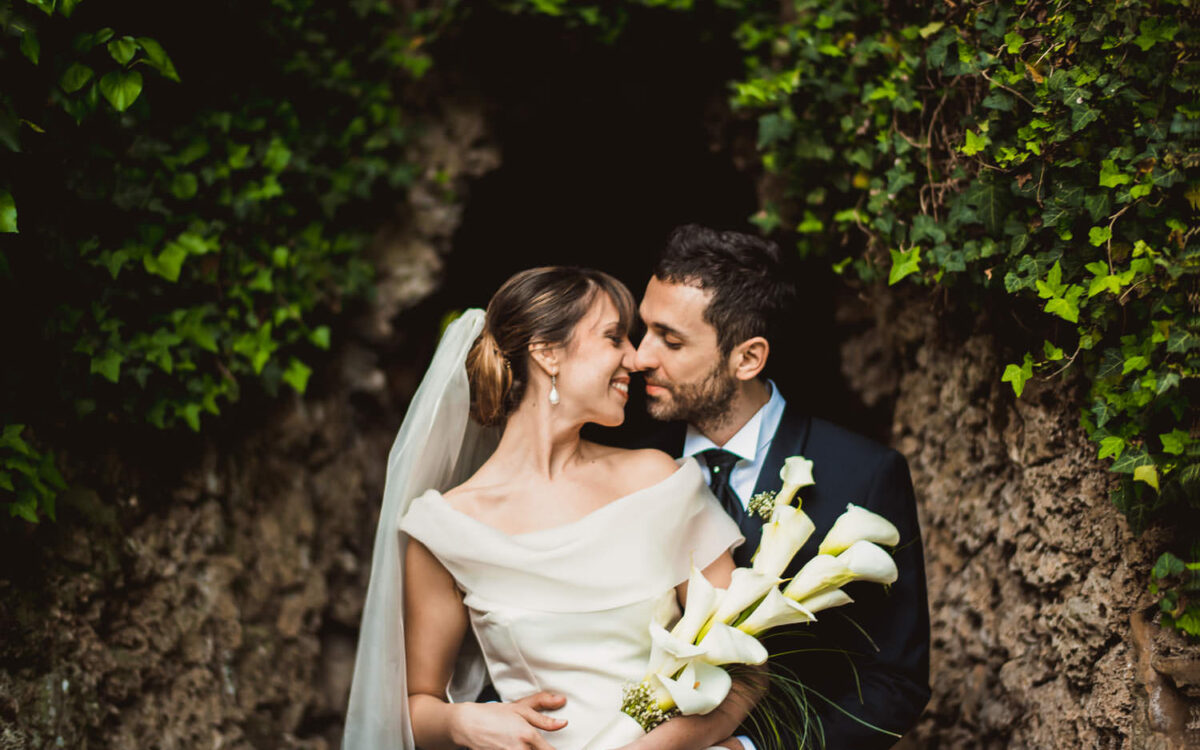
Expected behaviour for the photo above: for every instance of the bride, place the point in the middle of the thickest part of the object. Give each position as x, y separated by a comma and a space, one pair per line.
511, 549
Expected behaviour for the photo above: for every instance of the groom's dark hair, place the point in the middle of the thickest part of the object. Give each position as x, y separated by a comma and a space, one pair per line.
751, 289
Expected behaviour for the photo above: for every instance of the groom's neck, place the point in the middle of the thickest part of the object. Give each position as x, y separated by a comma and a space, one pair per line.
749, 397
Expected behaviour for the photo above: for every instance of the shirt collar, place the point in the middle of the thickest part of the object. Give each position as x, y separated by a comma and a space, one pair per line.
754, 436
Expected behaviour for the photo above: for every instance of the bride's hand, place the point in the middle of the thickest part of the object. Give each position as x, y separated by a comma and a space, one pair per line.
507, 726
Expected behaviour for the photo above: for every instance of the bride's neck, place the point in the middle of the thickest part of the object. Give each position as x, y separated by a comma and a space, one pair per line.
538, 439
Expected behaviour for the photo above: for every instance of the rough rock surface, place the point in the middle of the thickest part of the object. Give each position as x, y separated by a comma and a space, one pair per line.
211, 600
1037, 586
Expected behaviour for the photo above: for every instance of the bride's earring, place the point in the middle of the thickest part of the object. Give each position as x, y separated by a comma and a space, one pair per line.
554, 390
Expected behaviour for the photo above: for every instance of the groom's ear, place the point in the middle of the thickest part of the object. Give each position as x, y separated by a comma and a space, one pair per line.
544, 356
749, 358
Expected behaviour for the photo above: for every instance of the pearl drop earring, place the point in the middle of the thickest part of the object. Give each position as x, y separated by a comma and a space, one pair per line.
554, 390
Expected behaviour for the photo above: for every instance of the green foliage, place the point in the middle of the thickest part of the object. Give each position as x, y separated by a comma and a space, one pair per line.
29, 476
1044, 150
1180, 583
186, 233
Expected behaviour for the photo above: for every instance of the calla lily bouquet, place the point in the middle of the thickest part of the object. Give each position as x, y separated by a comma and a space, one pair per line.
720, 627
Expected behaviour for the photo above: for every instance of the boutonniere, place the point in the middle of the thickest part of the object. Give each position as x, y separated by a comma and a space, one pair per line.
797, 472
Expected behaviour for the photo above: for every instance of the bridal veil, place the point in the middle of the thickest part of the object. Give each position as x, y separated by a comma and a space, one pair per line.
438, 447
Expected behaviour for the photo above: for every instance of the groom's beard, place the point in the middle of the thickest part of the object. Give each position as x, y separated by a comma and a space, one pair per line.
704, 404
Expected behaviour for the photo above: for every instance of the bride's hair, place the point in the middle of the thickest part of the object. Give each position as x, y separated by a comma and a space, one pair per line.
539, 305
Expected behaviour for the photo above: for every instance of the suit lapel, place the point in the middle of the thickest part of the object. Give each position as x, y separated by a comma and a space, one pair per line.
791, 438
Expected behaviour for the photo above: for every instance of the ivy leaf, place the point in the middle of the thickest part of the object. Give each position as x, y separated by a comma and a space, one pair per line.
975, 143
278, 155
1181, 340
1110, 176
296, 375
1167, 565
1052, 352
904, 262
1175, 441
1018, 375
30, 46
1168, 381
1099, 235
320, 337
773, 127
930, 29
168, 263
184, 186
1136, 362
1064, 308
157, 58
1130, 461
1153, 31
75, 77
1147, 473
108, 365
122, 50
989, 200
121, 88
1113, 445
8, 213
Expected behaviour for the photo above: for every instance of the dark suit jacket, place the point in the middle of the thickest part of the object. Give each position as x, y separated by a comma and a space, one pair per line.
893, 672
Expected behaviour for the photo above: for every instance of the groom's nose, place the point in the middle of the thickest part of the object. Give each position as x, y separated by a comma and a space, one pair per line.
644, 358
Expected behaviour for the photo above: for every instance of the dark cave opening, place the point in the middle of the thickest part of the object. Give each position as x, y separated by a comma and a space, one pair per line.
607, 146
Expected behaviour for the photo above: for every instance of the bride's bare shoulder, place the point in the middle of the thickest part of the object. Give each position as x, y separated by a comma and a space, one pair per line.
474, 496
638, 467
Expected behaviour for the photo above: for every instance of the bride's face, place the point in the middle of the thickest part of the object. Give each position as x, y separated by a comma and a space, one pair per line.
593, 378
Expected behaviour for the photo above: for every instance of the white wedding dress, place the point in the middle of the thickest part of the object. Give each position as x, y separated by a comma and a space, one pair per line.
567, 609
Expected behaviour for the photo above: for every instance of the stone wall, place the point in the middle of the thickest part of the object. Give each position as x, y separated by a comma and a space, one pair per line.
1035, 580
212, 600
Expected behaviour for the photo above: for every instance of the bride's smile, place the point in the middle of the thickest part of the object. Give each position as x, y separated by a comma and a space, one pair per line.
593, 379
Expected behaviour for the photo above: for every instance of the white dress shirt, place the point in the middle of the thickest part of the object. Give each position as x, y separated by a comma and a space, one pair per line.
751, 443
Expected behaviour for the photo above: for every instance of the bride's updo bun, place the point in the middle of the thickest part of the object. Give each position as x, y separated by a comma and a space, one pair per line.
539, 305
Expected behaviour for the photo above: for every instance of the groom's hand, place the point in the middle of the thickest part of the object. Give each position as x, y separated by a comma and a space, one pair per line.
507, 726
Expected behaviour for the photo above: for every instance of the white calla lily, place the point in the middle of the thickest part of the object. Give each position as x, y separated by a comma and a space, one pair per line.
869, 562
856, 524
774, 611
782, 537
726, 645
699, 688
745, 588
821, 573
702, 600
825, 600
863, 561
796, 473
668, 653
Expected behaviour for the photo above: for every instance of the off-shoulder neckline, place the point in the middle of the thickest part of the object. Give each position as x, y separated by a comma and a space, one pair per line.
432, 495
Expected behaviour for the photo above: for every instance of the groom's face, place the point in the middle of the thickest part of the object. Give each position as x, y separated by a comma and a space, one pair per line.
687, 378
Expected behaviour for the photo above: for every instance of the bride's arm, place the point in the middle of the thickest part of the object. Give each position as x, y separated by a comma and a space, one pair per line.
435, 621
717, 726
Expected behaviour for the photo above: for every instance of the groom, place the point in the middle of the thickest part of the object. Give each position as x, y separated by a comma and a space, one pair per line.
712, 312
